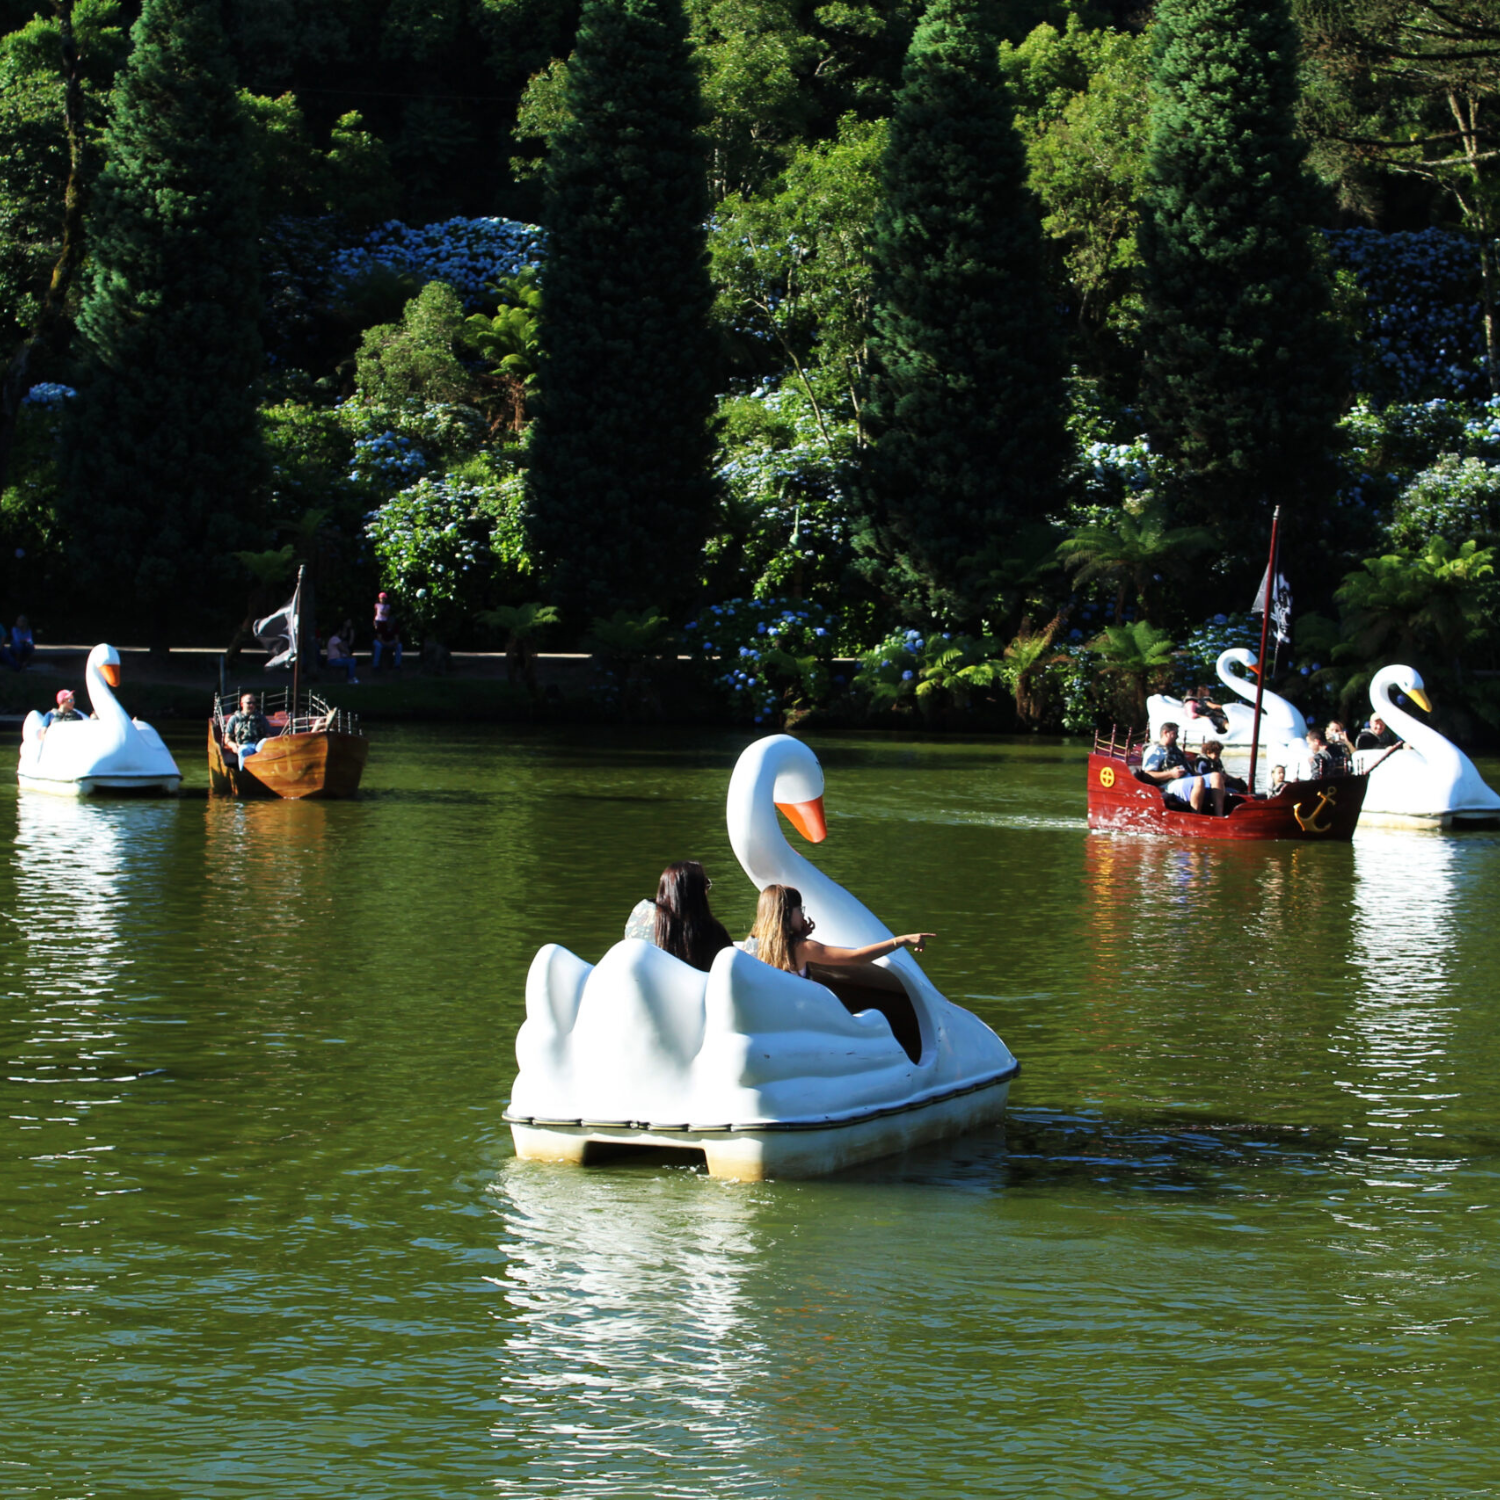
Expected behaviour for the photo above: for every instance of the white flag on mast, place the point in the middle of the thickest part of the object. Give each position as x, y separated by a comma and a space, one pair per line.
1281, 605
279, 632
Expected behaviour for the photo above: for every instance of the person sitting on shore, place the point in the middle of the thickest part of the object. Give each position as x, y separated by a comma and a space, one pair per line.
341, 650
65, 712
679, 920
782, 936
247, 728
1377, 735
1322, 765
22, 643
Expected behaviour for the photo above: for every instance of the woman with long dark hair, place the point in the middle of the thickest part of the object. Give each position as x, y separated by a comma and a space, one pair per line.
679, 920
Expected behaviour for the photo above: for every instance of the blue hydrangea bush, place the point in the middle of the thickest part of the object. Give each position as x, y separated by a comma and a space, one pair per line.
1422, 331
469, 254
768, 657
928, 670
1456, 498
442, 544
785, 476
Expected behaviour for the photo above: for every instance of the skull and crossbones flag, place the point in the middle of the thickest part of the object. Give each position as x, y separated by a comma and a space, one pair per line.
1281, 605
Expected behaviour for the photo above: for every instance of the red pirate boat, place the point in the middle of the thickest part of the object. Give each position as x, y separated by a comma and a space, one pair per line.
1123, 797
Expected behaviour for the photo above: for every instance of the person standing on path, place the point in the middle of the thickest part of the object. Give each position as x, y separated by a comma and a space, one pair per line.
387, 634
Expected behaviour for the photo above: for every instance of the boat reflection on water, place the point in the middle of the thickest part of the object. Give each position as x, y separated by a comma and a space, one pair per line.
627, 1326
254, 846
1179, 909
83, 870
1405, 932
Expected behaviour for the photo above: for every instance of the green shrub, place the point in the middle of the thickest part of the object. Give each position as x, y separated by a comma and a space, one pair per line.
769, 657
1456, 498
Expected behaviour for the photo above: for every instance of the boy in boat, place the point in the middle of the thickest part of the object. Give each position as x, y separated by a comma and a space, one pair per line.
1210, 763
247, 728
1165, 764
1322, 765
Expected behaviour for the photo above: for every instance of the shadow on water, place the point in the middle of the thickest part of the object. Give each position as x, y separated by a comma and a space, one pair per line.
1040, 1149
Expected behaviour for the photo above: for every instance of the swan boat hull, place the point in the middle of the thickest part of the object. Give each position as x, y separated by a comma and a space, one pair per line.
112, 785
292, 766
1429, 784
1307, 811
783, 1148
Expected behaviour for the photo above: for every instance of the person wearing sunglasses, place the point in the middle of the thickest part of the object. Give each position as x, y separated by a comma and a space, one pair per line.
782, 936
679, 920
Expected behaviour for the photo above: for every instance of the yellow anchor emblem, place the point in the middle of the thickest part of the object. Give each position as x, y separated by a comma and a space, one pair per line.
1310, 823
1107, 776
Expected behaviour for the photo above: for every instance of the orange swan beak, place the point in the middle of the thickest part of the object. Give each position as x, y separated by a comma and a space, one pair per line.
111, 674
807, 818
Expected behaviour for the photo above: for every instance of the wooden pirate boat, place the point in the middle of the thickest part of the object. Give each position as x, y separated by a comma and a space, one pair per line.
1123, 798
315, 751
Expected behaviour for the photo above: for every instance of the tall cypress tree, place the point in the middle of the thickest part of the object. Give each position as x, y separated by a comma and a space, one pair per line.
966, 404
621, 488
165, 465
1244, 366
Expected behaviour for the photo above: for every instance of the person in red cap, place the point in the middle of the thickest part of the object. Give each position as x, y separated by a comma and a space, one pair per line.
386, 633
64, 711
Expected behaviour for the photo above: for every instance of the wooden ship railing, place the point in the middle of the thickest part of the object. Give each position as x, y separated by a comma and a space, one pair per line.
1128, 750
312, 713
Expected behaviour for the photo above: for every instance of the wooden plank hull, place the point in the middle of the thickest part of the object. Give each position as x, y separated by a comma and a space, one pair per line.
1310, 811
320, 764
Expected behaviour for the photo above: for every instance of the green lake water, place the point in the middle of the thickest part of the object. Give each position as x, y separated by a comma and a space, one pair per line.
262, 1232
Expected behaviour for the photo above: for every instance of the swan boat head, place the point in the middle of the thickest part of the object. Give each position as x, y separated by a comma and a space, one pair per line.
643, 1043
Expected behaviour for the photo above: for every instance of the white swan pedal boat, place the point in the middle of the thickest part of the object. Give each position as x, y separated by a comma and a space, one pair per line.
109, 753
1281, 722
1430, 783
764, 1073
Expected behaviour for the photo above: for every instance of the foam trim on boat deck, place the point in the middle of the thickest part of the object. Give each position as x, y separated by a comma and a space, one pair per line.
823, 1122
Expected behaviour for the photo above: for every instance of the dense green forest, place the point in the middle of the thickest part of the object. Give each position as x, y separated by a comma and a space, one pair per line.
974, 341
